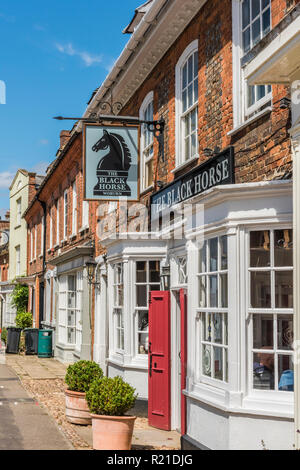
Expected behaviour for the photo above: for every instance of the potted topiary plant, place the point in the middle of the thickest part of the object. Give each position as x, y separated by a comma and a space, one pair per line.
78, 378
108, 400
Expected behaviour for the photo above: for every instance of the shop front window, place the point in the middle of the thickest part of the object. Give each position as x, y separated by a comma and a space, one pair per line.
213, 308
147, 280
271, 309
118, 303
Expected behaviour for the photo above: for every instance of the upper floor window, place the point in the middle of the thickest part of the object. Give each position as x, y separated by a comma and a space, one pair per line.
42, 234
19, 211
57, 222
51, 228
186, 76
146, 114
66, 201
74, 209
251, 22
85, 214
18, 260
118, 306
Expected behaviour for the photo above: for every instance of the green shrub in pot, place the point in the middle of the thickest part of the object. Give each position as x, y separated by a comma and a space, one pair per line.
110, 396
80, 375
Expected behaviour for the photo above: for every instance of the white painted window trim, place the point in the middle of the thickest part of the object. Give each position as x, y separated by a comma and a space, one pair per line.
51, 229
19, 211
42, 234
35, 241
149, 98
65, 220
240, 111
57, 222
85, 215
191, 48
31, 244
18, 260
74, 208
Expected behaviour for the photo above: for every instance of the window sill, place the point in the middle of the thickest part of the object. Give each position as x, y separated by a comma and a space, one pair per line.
183, 165
146, 190
250, 121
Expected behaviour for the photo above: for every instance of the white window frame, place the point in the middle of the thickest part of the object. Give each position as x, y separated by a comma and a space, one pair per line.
179, 141
19, 211
118, 310
85, 214
146, 150
200, 377
137, 309
267, 395
31, 244
66, 204
242, 113
63, 309
35, 241
74, 209
42, 234
50, 229
18, 260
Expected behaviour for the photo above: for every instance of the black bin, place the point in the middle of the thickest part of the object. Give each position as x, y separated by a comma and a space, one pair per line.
13, 340
31, 340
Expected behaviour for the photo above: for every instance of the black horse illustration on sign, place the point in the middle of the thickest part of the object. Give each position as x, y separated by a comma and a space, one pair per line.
112, 170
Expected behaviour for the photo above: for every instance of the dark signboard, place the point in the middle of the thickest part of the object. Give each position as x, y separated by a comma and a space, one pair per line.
111, 162
216, 171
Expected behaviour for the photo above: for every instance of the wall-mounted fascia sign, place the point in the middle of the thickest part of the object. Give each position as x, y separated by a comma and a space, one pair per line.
111, 163
218, 170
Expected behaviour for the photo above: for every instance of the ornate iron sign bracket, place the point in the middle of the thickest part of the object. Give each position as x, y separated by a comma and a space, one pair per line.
156, 127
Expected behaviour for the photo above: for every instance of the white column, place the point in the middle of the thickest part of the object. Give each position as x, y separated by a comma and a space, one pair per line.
295, 136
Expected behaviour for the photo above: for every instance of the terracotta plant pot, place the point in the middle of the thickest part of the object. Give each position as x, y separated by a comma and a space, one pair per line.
112, 432
77, 411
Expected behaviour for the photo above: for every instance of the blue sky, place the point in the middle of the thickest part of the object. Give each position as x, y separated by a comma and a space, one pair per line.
52, 57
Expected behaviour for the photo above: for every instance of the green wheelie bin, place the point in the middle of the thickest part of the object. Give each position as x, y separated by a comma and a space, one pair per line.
45, 343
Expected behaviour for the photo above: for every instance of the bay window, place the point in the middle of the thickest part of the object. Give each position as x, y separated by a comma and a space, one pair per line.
147, 279
70, 309
212, 312
271, 309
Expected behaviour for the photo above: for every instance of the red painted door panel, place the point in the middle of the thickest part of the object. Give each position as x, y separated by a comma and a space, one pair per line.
159, 399
183, 310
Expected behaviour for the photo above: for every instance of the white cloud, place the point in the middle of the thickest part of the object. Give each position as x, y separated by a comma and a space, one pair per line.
43, 142
6, 178
86, 57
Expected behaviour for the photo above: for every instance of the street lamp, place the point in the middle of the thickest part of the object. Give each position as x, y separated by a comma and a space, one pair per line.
165, 275
91, 269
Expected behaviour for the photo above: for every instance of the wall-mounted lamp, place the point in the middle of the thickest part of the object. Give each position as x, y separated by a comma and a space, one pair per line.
160, 184
210, 153
91, 270
284, 103
165, 275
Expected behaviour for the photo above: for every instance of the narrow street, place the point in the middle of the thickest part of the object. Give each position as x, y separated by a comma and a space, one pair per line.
24, 424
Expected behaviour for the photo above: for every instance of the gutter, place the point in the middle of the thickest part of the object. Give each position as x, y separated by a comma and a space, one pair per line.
131, 47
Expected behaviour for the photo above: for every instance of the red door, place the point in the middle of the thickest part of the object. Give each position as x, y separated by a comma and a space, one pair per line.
183, 310
159, 384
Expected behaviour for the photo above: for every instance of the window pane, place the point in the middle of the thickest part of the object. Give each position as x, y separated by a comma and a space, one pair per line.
225, 323
261, 91
255, 8
213, 291
120, 296
251, 95
143, 343
202, 292
260, 249
141, 273
196, 91
202, 258
193, 145
71, 299
265, 3
187, 148
256, 32
149, 173
246, 40
190, 69
223, 246
190, 96
285, 373
246, 13
285, 332
266, 21
213, 251
184, 101
184, 76
206, 360
206, 324
217, 328
187, 125
218, 357
71, 335
193, 120
71, 318
283, 246
263, 371
143, 321
141, 296
284, 289
196, 65
260, 290
263, 332
224, 290
154, 267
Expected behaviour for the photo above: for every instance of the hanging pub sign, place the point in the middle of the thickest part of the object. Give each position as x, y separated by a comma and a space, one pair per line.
216, 171
111, 162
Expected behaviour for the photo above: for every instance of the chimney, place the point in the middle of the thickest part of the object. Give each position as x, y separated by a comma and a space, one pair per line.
7, 215
64, 137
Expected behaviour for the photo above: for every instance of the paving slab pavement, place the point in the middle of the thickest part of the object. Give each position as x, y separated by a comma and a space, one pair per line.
24, 425
36, 368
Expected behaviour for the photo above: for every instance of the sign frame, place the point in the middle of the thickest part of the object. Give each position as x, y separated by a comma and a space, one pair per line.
111, 125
